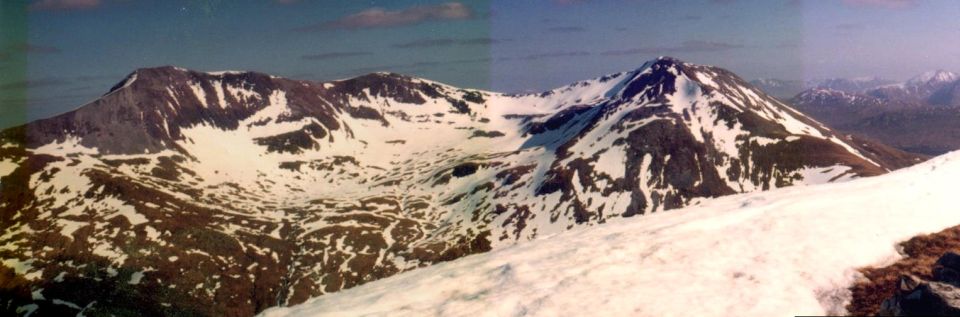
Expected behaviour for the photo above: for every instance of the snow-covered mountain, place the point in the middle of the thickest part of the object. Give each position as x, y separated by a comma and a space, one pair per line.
930, 88
787, 89
189, 193
932, 77
835, 98
779, 88
933, 87
789, 252
850, 85
921, 115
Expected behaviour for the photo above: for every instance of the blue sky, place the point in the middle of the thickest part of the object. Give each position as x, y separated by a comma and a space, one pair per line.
57, 54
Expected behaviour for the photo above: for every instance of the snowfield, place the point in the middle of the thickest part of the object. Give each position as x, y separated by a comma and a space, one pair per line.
791, 251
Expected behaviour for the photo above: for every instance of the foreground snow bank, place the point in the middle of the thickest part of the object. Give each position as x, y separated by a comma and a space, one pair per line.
786, 252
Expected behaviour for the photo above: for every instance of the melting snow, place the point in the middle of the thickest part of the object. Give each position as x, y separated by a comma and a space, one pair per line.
135, 278
820, 175
227, 72
791, 251
198, 92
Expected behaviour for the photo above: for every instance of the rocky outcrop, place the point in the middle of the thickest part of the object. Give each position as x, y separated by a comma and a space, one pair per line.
939, 296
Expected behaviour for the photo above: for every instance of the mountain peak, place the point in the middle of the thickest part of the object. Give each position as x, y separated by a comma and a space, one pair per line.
380, 76
669, 59
662, 61
165, 71
170, 69
933, 76
167, 74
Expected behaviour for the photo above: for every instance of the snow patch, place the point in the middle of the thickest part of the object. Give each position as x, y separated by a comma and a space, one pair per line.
7, 167
135, 278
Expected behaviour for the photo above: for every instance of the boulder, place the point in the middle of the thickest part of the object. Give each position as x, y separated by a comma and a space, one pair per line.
917, 297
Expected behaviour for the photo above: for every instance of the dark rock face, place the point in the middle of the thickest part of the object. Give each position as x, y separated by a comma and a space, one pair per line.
294, 142
464, 169
937, 297
159, 102
222, 194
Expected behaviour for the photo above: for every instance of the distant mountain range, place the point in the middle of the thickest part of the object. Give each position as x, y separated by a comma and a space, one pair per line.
920, 115
787, 89
222, 194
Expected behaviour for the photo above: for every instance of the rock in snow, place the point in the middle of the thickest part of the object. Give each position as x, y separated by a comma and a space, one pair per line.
939, 297
791, 251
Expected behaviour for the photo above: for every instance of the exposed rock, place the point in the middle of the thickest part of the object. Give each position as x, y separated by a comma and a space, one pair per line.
917, 297
465, 169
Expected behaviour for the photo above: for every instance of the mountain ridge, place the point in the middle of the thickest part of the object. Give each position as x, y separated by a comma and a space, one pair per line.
292, 189
918, 115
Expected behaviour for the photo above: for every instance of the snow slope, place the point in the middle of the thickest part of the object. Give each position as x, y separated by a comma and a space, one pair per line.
791, 251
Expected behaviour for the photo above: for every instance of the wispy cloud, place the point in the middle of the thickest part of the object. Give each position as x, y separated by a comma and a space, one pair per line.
440, 42
380, 68
7, 52
89, 78
471, 60
334, 55
554, 55
566, 29
423, 64
426, 43
887, 4
39, 49
848, 26
59, 5
569, 2
685, 47
788, 44
426, 64
26, 84
382, 18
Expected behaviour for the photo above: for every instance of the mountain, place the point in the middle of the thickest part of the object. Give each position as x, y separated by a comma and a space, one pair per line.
851, 85
792, 251
837, 98
917, 128
787, 89
779, 88
932, 88
842, 110
932, 78
189, 193
921, 115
